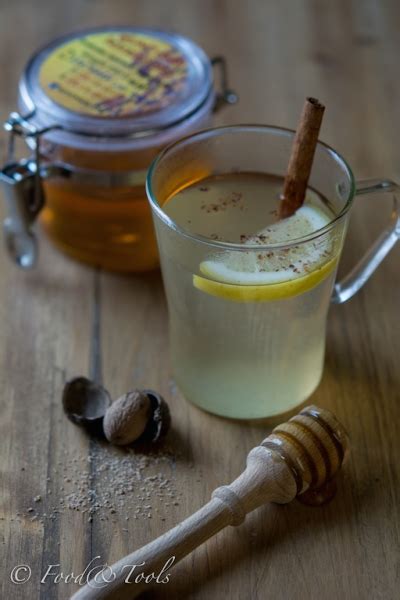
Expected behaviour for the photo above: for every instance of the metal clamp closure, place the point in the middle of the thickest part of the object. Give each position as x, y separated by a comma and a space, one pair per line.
23, 204
23, 192
226, 95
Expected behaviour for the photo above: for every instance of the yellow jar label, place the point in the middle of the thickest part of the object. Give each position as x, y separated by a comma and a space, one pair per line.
114, 74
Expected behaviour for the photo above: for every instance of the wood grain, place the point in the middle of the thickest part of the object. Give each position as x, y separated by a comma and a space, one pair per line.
62, 320
279, 469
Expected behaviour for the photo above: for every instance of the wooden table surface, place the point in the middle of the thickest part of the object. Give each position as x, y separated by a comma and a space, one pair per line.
63, 319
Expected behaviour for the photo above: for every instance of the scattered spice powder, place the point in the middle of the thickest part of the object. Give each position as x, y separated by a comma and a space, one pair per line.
233, 199
123, 482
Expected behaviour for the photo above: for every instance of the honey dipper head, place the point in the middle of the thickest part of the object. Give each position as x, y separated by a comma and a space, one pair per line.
313, 444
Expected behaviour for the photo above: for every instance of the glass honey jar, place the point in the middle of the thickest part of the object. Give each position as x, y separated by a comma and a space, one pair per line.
95, 108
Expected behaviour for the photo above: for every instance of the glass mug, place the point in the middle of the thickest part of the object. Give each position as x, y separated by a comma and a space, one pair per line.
251, 359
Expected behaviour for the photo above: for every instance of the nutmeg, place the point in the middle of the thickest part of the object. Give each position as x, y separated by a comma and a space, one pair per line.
127, 418
137, 416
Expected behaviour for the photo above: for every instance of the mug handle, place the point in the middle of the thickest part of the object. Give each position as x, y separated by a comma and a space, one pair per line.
353, 281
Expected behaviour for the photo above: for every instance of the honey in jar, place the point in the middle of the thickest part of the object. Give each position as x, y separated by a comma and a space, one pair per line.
96, 107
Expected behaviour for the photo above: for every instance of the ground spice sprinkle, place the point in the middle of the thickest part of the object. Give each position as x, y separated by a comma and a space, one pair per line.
110, 484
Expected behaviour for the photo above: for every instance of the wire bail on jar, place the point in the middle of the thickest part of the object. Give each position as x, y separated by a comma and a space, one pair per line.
226, 95
22, 180
23, 191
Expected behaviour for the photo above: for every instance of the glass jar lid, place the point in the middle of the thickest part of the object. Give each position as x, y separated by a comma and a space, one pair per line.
115, 82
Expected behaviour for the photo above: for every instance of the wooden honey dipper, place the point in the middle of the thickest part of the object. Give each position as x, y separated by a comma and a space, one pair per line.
302, 455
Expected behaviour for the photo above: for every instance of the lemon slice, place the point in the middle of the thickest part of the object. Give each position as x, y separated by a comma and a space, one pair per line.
272, 275
307, 219
265, 291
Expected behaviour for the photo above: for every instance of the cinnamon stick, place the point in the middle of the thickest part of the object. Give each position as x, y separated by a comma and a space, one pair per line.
301, 158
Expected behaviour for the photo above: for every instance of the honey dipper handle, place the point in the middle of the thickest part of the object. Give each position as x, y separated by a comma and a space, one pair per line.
152, 558
266, 478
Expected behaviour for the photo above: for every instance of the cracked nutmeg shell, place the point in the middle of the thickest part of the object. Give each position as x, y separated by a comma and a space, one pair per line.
160, 421
137, 416
85, 403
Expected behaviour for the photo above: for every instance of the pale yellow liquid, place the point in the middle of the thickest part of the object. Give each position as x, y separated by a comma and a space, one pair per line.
242, 360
